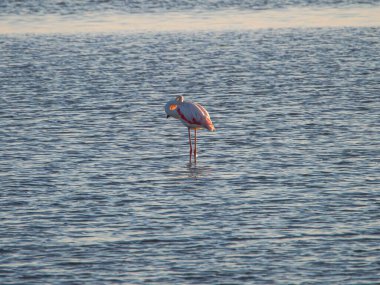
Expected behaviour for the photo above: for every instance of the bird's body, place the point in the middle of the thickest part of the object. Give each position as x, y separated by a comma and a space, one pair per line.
192, 115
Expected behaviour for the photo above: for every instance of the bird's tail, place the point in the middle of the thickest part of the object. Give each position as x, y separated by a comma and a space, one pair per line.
209, 125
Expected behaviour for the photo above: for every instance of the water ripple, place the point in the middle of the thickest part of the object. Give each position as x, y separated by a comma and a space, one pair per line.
96, 185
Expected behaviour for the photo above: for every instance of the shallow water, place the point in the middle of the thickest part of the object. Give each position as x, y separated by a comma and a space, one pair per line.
73, 7
95, 182
191, 21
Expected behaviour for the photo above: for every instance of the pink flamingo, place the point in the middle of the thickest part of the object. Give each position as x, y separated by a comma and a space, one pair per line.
193, 115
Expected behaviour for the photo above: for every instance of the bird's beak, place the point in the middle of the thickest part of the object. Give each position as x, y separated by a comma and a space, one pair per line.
167, 116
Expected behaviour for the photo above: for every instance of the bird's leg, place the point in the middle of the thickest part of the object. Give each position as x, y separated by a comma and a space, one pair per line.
191, 150
195, 145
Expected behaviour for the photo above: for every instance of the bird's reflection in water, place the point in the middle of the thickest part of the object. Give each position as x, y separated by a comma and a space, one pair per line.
196, 171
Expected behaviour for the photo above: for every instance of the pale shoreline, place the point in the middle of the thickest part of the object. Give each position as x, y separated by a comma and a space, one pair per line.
191, 21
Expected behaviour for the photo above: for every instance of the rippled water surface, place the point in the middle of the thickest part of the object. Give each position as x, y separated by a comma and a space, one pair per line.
95, 182
70, 7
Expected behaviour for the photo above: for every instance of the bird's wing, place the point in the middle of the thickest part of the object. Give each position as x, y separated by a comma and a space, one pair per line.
203, 110
190, 113
206, 120
195, 113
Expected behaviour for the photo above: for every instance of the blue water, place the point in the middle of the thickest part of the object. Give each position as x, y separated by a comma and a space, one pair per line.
69, 7
95, 182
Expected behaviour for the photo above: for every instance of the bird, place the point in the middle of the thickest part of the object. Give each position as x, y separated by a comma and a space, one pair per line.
193, 115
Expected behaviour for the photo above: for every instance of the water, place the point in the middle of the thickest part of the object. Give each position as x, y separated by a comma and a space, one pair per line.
95, 182
70, 7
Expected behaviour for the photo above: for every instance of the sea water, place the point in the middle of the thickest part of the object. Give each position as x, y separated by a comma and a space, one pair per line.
95, 182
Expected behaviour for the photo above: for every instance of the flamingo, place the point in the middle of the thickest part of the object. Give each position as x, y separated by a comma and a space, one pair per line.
193, 115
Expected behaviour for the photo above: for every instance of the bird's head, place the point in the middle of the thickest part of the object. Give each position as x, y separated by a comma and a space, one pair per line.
171, 107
